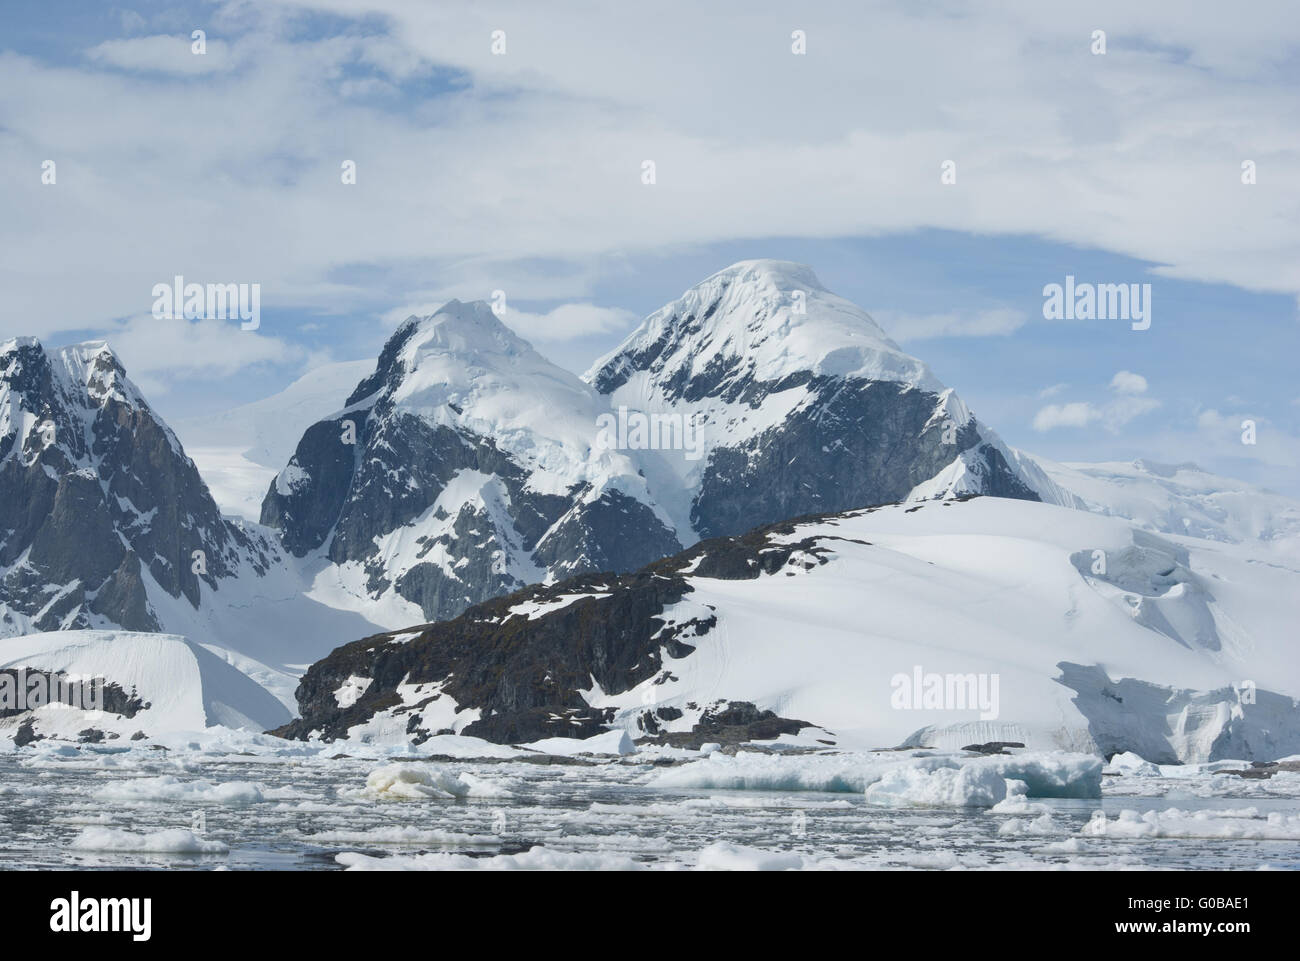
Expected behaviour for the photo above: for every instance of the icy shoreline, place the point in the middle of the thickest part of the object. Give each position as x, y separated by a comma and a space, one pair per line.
226, 799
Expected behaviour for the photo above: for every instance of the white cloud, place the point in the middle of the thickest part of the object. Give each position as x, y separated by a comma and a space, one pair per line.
1078, 414
997, 322
1213, 424
565, 322
1112, 415
1127, 382
1220, 435
1052, 391
163, 54
1211, 421
158, 352
1124, 409
131, 21
568, 321
392, 319
536, 155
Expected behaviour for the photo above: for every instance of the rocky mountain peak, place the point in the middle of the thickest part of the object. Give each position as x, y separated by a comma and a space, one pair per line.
757, 321
465, 328
97, 498
93, 366
457, 345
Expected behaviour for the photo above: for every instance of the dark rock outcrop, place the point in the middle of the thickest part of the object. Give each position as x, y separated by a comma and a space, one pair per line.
524, 674
728, 723
992, 747
55, 687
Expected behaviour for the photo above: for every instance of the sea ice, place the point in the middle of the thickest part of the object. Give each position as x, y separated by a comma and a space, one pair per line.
408, 781
169, 841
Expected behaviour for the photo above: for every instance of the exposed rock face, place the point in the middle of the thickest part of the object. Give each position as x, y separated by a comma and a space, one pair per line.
851, 445
462, 469
95, 491
26, 734
992, 747
514, 668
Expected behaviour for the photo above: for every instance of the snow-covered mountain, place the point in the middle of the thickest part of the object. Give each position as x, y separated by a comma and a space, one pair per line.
939, 623
105, 523
804, 405
97, 499
464, 467
467, 465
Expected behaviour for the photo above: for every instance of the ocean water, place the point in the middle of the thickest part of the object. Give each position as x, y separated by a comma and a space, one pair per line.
203, 810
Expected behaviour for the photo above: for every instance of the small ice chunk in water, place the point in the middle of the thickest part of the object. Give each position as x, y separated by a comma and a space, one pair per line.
412, 781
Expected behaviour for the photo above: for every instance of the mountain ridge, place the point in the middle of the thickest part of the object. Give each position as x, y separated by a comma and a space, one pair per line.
463, 426
744, 634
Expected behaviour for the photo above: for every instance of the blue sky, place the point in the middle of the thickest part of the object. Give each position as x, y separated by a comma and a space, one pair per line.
521, 172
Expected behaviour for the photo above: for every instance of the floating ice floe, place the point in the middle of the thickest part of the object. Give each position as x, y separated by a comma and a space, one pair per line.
539, 858
1041, 825
1241, 823
169, 841
611, 742
1129, 764
915, 786
414, 781
725, 856
406, 834
1017, 801
915, 778
167, 787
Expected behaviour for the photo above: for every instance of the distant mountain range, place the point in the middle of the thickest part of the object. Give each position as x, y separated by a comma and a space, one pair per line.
462, 466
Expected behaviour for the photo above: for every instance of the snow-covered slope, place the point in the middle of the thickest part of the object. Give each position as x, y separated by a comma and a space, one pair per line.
178, 685
238, 451
266, 431
1077, 631
1181, 499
